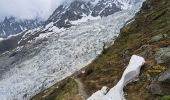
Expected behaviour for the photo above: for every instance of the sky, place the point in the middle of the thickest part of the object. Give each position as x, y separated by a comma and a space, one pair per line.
28, 9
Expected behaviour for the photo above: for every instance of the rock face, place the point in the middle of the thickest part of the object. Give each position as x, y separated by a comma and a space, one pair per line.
78, 9
165, 77
163, 56
161, 85
11, 26
159, 37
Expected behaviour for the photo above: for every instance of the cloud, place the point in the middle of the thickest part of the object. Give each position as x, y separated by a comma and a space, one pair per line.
28, 9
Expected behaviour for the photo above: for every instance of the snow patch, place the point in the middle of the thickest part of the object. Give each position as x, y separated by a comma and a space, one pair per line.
1, 39
130, 74
48, 26
43, 35
4, 33
84, 19
56, 29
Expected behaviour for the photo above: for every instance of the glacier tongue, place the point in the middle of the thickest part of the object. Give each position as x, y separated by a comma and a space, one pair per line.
61, 55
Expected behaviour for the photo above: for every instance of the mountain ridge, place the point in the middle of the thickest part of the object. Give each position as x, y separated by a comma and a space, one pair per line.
11, 26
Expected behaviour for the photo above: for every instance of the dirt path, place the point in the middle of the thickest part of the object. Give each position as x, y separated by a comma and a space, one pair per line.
81, 89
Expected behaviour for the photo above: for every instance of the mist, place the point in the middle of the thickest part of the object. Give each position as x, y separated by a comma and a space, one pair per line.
28, 9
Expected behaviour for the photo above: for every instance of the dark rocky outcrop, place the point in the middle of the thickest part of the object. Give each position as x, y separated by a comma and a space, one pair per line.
12, 25
78, 9
161, 84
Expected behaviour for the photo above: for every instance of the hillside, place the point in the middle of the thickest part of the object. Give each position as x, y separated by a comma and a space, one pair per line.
148, 36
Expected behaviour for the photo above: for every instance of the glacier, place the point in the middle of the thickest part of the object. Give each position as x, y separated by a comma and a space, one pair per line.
61, 54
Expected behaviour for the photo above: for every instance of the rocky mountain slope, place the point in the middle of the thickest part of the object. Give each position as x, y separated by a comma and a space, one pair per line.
148, 36
70, 11
68, 14
12, 26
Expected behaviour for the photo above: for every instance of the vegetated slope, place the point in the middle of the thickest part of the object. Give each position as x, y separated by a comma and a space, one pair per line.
147, 36
136, 38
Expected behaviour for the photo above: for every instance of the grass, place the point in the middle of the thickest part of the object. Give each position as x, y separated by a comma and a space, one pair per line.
65, 91
165, 98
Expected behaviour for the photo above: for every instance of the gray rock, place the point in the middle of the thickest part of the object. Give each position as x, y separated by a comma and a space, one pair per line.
165, 77
155, 89
159, 88
161, 84
163, 56
157, 38
146, 51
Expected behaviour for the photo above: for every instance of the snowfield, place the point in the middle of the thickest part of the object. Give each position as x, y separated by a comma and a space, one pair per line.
60, 55
130, 74
1, 39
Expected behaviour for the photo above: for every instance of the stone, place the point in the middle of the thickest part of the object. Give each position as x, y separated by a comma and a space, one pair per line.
163, 56
146, 51
155, 89
157, 38
161, 85
165, 77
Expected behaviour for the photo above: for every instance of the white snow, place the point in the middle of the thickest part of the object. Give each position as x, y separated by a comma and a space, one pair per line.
82, 7
43, 35
1, 39
4, 33
10, 36
48, 26
125, 4
56, 29
84, 19
94, 2
28, 33
63, 54
21, 27
130, 74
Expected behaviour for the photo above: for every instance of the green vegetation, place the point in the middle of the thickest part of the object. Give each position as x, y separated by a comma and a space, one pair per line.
165, 98
66, 91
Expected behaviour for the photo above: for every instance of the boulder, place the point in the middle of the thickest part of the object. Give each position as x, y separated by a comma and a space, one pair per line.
157, 38
163, 56
161, 84
165, 77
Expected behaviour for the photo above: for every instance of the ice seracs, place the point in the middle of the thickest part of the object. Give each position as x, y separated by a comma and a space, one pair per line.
116, 93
